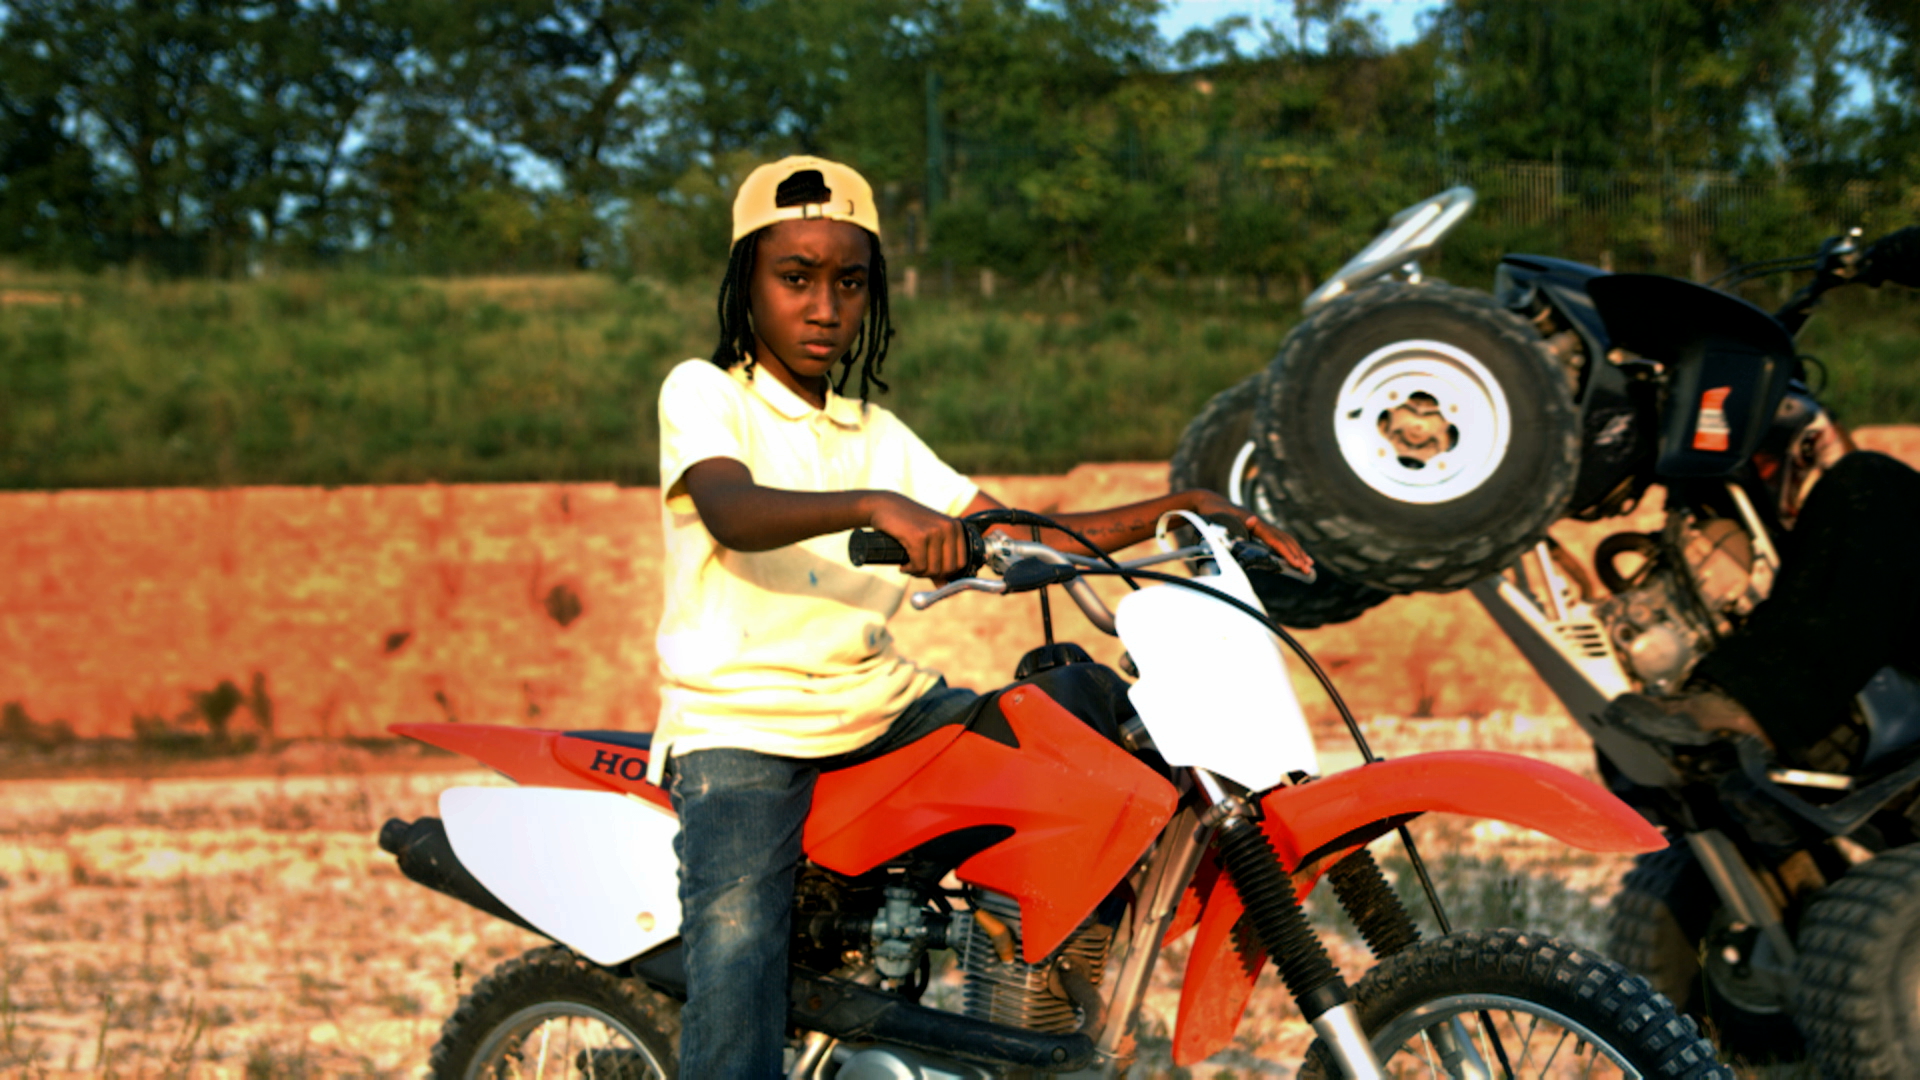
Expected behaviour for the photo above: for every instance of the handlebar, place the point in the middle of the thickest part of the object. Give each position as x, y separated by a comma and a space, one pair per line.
1027, 565
1410, 235
877, 548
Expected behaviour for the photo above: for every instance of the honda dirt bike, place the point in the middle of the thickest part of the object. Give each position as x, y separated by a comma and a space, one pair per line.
1054, 839
1416, 436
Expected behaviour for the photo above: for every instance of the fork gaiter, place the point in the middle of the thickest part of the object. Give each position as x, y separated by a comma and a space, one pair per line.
1274, 913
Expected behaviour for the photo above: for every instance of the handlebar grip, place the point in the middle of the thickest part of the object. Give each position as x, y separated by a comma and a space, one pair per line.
866, 546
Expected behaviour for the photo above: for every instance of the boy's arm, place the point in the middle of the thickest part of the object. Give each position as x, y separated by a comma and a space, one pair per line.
744, 516
1124, 526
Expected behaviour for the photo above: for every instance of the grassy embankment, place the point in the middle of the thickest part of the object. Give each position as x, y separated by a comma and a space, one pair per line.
115, 381
339, 379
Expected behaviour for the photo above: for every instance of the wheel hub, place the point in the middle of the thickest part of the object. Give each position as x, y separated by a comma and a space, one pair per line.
1422, 422
1741, 966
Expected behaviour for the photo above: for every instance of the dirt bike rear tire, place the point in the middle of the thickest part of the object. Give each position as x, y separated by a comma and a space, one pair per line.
1215, 453
1859, 989
1486, 447
1539, 977
550, 984
1655, 924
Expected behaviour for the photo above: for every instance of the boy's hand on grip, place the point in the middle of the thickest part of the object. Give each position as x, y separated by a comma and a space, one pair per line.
936, 544
1282, 544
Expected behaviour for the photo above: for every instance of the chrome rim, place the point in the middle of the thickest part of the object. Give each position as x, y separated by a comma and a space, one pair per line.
564, 1039
1422, 422
1240, 488
1539, 1041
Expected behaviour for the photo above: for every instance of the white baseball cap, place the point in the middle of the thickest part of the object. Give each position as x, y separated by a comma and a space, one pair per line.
841, 194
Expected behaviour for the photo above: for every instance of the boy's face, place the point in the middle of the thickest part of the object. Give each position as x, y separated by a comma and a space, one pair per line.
808, 296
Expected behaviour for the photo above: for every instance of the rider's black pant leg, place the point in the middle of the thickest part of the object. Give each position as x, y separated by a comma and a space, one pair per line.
1847, 603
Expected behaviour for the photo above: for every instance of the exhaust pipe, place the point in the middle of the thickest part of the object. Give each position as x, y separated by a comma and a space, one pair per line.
426, 856
861, 1014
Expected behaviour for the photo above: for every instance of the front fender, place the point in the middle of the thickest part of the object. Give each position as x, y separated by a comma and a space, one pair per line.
1316, 819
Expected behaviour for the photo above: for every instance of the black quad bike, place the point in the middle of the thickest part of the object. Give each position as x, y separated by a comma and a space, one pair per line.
1418, 436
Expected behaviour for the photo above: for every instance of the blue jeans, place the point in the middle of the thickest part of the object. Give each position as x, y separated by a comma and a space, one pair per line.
741, 817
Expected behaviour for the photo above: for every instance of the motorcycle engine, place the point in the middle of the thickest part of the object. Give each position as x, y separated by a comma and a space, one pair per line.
1000, 987
1665, 614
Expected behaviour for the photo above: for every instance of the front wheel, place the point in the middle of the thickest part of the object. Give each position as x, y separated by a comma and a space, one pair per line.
1556, 1011
550, 1013
1416, 437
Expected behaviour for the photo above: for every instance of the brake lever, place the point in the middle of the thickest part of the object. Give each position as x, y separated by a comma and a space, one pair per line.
921, 601
1254, 555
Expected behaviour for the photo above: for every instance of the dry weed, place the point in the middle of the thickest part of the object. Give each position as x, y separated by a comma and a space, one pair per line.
225, 928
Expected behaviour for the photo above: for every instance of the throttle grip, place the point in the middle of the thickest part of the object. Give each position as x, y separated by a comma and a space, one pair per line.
866, 546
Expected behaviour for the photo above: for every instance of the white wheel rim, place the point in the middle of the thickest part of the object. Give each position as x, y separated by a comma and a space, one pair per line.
1241, 488
1403, 1044
1237, 492
515, 1038
1422, 422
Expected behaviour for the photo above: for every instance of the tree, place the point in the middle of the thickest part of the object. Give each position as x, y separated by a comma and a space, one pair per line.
1643, 83
205, 126
51, 188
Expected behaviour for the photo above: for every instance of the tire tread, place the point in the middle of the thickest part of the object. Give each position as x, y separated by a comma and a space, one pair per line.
1201, 459
545, 974
1584, 985
1849, 946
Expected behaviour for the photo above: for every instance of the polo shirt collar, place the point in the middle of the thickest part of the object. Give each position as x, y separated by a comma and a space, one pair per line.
847, 412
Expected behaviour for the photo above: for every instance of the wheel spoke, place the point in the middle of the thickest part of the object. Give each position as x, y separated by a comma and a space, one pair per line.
1526, 1041
1426, 1046
1493, 1040
1557, 1044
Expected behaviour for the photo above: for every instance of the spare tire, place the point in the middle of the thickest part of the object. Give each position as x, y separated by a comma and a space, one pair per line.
1216, 453
1415, 437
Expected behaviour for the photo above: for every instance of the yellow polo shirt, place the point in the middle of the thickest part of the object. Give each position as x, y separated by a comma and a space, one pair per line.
785, 651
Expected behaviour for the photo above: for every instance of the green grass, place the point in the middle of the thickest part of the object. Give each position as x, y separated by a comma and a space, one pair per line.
351, 378
1869, 341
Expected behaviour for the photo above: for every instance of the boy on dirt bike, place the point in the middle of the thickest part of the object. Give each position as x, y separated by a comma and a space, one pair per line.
775, 659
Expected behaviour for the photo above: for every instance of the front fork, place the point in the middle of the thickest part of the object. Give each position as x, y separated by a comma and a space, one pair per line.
1274, 914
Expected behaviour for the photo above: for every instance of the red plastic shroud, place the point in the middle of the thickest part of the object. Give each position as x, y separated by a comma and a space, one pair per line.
1082, 810
533, 757
1310, 818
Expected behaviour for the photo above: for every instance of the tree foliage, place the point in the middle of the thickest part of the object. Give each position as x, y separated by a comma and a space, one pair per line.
1041, 137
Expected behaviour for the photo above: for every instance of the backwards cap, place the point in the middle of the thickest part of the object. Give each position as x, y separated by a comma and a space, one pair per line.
803, 187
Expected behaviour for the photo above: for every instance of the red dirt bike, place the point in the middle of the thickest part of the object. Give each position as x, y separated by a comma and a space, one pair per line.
1054, 840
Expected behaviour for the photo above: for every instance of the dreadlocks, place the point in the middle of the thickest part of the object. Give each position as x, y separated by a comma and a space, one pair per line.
869, 350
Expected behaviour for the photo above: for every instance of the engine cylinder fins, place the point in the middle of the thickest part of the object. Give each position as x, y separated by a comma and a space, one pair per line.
1012, 991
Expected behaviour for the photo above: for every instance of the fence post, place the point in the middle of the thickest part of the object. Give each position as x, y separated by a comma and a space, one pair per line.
986, 283
913, 283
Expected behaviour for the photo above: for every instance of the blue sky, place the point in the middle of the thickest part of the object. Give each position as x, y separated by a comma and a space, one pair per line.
1397, 17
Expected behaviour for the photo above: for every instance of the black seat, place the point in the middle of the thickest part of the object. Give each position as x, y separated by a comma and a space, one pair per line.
631, 740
